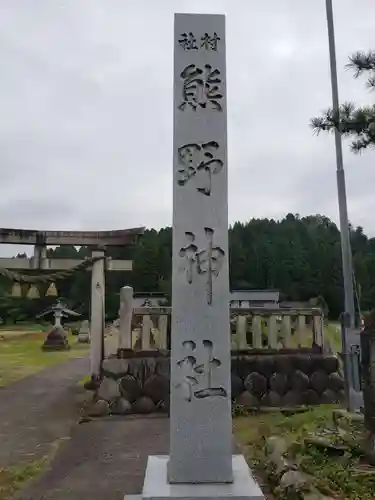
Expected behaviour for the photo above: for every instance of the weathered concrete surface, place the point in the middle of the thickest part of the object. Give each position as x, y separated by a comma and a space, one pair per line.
38, 410
105, 459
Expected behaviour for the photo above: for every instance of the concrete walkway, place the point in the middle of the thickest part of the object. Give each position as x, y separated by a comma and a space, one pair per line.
100, 459
105, 459
39, 410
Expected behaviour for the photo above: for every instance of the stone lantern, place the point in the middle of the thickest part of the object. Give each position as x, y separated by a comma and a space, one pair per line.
57, 339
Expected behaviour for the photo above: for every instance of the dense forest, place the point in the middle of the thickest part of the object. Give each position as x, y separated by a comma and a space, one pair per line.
300, 256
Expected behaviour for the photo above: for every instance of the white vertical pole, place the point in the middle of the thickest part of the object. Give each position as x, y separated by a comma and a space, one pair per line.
347, 269
97, 315
126, 314
341, 187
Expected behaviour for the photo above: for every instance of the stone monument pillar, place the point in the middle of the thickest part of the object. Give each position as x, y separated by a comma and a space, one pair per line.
200, 341
200, 462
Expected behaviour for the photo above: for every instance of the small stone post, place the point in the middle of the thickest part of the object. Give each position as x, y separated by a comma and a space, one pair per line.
126, 314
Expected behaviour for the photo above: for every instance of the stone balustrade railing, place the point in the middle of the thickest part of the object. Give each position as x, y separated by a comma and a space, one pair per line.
254, 328
258, 328
150, 328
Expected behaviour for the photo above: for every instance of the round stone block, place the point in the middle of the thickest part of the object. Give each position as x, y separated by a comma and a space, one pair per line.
121, 406
247, 400
144, 404
299, 381
109, 389
303, 363
279, 383
330, 397
99, 409
336, 382
292, 399
256, 384
115, 367
310, 398
272, 398
331, 364
237, 385
157, 388
130, 388
319, 381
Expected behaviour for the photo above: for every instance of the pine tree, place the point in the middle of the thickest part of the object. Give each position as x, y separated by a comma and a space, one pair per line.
358, 122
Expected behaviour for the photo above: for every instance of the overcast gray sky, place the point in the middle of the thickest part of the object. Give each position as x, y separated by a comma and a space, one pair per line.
86, 110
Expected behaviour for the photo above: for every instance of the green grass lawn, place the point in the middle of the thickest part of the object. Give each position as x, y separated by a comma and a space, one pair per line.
332, 332
23, 327
14, 478
21, 354
334, 475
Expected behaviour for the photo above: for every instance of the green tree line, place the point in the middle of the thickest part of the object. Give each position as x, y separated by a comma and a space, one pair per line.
300, 256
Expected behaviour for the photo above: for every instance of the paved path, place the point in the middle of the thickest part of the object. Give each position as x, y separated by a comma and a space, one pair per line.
105, 459
37, 411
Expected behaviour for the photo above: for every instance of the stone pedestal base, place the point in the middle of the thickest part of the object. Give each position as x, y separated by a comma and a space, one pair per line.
83, 338
156, 487
56, 340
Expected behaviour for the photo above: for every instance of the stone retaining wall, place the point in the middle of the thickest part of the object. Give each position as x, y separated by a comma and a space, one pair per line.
139, 383
286, 380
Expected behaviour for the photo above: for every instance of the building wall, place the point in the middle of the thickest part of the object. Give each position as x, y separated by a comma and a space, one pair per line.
148, 301
254, 298
245, 304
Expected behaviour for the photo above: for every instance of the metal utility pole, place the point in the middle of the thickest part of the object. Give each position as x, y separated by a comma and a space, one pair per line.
341, 189
350, 342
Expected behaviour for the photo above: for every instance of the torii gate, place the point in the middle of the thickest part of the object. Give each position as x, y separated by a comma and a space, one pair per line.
98, 241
